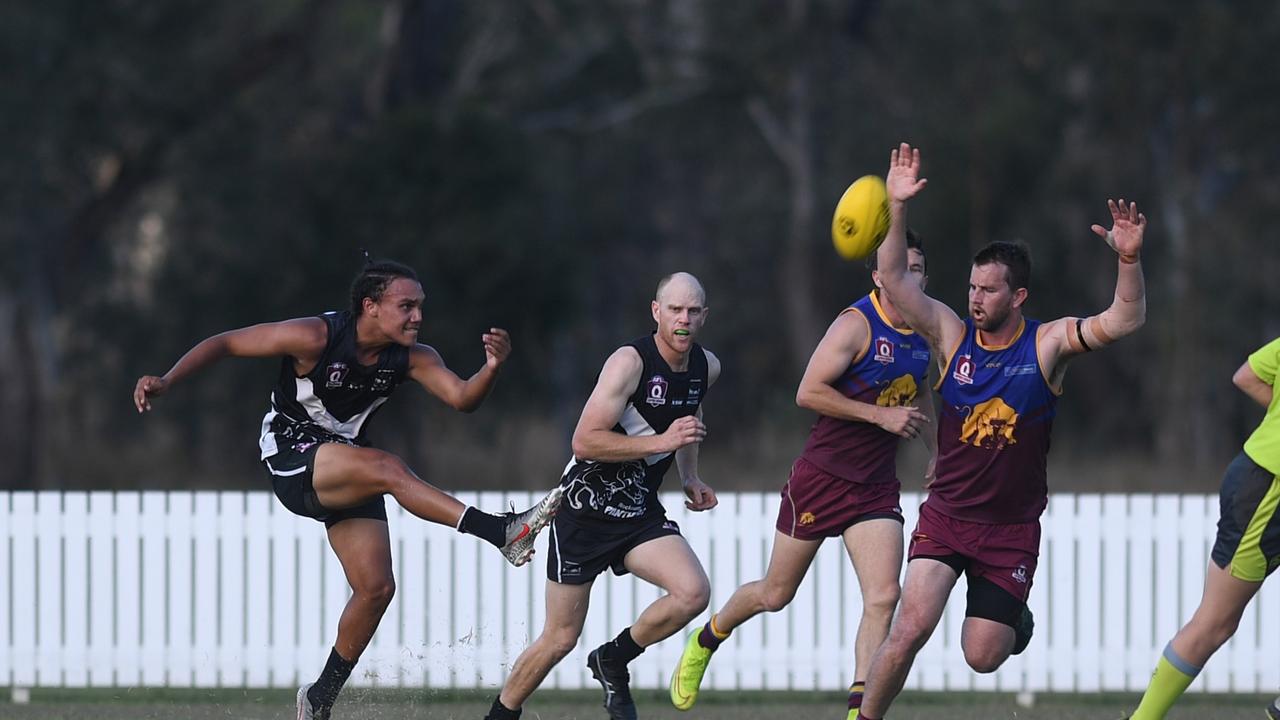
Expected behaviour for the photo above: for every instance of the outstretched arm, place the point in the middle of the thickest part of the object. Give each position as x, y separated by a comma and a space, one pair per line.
935, 322
428, 369
595, 438
303, 338
1067, 337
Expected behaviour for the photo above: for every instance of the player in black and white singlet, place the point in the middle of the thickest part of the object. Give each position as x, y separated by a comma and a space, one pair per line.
597, 494
644, 414
336, 371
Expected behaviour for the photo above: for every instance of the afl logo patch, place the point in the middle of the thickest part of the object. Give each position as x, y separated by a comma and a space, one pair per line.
656, 391
964, 370
335, 374
884, 351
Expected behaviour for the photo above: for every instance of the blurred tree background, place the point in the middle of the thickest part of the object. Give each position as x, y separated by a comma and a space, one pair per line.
174, 169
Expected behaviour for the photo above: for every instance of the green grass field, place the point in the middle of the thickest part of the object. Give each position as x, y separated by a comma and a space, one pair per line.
357, 704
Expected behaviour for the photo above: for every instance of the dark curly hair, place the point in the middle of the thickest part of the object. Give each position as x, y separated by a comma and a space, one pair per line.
373, 280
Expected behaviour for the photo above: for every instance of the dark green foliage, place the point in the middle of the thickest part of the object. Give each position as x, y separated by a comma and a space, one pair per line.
171, 170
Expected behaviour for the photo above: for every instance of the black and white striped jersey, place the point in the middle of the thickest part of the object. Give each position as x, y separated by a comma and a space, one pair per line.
335, 400
597, 492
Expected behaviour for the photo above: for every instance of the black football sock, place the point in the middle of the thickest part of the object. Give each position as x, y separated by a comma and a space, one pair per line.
623, 648
325, 690
501, 712
484, 526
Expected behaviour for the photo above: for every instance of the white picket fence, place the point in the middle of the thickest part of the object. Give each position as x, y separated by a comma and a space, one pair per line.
228, 589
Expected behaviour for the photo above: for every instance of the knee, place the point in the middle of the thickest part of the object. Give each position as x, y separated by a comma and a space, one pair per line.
1214, 631
775, 597
391, 473
984, 659
377, 592
906, 637
559, 642
694, 598
1223, 632
690, 597
880, 602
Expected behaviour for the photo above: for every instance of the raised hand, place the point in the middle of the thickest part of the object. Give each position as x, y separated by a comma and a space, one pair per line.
1127, 227
497, 346
684, 431
903, 181
902, 421
148, 386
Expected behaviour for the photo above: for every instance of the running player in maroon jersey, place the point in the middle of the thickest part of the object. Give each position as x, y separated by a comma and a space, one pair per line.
1001, 375
336, 370
864, 380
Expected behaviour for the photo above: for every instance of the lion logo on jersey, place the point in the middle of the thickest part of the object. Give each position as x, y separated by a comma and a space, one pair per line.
595, 488
990, 426
898, 393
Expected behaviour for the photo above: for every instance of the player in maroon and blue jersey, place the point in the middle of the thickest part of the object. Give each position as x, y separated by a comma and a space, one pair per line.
1001, 375
865, 381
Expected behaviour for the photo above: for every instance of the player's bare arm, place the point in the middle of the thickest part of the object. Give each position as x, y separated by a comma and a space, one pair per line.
301, 338
1068, 337
428, 369
595, 439
924, 401
937, 324
1252, 385
845, 343
699, 495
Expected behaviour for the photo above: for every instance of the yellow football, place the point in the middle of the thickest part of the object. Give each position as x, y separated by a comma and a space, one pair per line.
862, 218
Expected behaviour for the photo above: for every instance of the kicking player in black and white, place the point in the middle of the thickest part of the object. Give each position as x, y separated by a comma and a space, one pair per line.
645, 413
337, 370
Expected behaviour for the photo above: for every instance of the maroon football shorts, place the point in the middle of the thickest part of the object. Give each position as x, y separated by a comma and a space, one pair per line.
1003, 554
817, 505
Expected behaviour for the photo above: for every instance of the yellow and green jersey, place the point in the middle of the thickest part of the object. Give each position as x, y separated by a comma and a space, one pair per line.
1263, 446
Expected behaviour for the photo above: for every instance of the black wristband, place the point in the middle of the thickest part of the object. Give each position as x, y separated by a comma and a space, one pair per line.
1080, 335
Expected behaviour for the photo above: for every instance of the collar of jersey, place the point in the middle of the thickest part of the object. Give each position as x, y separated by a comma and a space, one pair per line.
875, 302
977, 337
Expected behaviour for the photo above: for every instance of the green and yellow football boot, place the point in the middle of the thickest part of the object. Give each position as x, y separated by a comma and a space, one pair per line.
688, 673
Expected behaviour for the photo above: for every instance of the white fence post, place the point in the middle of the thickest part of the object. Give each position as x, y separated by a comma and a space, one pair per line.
229, 589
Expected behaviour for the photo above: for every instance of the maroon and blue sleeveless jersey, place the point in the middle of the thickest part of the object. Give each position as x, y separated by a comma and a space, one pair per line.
890, 372
993, 431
